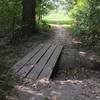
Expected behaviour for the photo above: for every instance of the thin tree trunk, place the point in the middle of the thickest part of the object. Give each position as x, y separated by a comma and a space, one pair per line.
13, 25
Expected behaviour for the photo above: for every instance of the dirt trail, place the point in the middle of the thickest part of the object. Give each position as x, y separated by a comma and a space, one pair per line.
76, 61
73, 78
61, 35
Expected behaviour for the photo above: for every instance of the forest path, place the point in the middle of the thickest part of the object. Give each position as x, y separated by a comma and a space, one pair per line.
61, 35
72, 78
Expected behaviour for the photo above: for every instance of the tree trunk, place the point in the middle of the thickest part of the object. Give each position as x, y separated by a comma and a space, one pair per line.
29, 20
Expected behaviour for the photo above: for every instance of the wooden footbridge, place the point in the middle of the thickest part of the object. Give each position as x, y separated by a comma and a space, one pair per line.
39, 63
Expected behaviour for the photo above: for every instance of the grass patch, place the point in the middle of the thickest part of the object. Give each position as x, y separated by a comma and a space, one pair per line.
58, 19
60, 22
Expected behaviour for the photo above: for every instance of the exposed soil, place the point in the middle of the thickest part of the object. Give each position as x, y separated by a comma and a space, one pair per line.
76, 61
75, 77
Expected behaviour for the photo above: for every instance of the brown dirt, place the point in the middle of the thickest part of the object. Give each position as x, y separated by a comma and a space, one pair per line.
75, 76
76, 61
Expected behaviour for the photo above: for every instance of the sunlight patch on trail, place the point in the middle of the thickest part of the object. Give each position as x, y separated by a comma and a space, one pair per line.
49, 89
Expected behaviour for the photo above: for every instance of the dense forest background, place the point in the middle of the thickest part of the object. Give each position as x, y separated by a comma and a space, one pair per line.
18, 15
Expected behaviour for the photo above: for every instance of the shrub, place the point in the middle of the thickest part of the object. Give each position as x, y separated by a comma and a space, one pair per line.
87, 19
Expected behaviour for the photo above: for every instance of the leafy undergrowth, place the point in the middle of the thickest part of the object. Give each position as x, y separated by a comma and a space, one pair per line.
5, 82
87, 40
87, 17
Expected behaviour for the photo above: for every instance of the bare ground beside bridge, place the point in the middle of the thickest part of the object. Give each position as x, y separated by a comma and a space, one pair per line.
74, 77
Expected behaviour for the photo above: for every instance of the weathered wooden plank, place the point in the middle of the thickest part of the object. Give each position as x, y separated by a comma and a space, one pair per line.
44, 49
40, 65
46, 73
30, 65
25, 59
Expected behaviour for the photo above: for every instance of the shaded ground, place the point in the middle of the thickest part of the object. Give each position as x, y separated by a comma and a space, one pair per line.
76, 61
74, 77
60, 90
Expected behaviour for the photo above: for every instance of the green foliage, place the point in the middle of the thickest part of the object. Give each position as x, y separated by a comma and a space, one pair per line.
10, 13
43, 25
43, 7
87, 19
